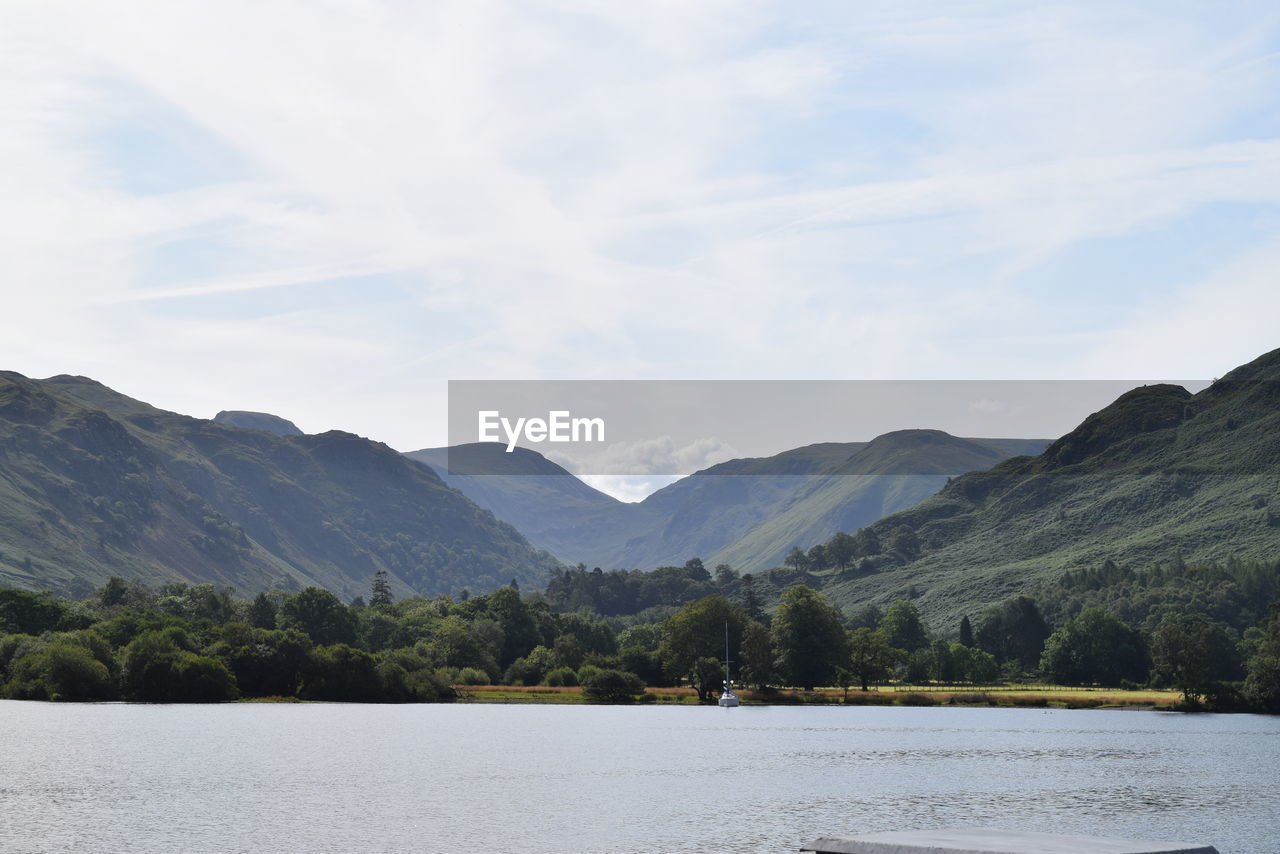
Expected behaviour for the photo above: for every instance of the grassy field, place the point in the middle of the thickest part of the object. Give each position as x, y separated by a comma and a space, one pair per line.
1026, 696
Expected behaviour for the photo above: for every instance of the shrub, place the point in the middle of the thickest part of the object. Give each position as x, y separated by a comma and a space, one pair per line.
342, 674
472, 676
587, 672
61, 671
612, 686
914, 699
561, 676
200, 679
981, 698
1262, 687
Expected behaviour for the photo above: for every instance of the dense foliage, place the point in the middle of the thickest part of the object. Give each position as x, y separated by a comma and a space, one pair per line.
1198, 629
628, 592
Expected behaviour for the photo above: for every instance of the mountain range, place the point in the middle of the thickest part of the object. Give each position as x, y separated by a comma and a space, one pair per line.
746, 512
95, 484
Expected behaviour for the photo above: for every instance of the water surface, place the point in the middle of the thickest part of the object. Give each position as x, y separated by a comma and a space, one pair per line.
329, 777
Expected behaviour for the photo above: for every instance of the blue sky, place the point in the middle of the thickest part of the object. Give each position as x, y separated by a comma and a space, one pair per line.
327, 210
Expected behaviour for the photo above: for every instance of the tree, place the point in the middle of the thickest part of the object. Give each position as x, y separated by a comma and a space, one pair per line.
841, 549
796, 559
63, 670
808, 638
707, 677
1094, 647
696, 632
593, 634
114, 593
149, 663
320, 615
750, 601
201, 679
868, 616
867, 543
339, 673
980, 666
376, 629
870, 656
457, 643
904, 541
638, 652
520, 631
31, 613
947, 666
265, 663
1262, 685
380, 597
966, 631
568, 651
262, 613
725, 574
532, 668
695, 569
755, 666
1013, 631
1195, 654
903, 628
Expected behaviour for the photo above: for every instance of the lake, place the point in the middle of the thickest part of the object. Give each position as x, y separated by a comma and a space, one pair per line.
365, 778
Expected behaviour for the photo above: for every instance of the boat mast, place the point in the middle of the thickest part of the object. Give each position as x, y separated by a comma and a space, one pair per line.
726, 655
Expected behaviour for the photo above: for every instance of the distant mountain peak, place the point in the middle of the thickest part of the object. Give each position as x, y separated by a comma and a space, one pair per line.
258, 421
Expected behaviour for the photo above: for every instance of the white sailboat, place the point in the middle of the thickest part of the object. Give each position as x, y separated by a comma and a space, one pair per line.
728, 699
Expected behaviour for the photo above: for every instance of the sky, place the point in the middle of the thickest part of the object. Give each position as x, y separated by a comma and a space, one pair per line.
327, 210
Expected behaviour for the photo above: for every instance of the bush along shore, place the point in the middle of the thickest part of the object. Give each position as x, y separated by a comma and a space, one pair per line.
198, 643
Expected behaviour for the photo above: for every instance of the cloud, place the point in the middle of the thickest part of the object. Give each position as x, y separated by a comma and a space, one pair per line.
628, 488
329, 209
657, 456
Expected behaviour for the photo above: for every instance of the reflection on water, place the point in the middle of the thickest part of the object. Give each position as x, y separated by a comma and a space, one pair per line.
561, 778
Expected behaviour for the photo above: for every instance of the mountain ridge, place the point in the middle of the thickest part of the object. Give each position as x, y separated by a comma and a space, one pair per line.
746, 512
1160, 474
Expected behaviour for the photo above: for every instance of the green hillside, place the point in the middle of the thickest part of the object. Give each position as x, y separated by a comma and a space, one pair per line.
95, 484
890, 473
1159, 475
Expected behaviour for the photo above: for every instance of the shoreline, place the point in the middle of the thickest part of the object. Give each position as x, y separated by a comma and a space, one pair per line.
1047, 697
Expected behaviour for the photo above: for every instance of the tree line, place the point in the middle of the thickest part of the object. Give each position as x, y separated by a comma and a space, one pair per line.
1197, 629
191, 643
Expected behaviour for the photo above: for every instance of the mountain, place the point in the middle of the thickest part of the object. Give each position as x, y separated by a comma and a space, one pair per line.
745, 512
892, 472
94, 483
546, 503
258, 421
1159, 475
